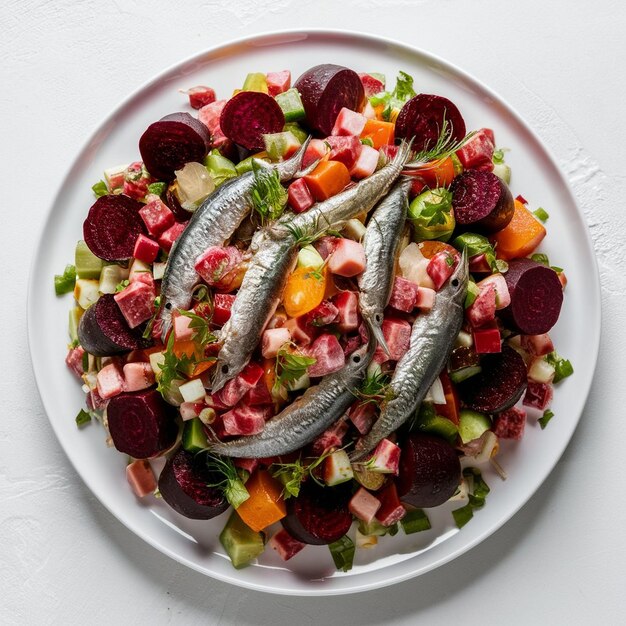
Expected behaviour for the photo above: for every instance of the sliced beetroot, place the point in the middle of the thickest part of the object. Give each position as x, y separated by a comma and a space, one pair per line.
482, 200
103, 331
248, 116
499, 385
422, 117
319, 515
171, 142
184, 485
430, 471
536, 297
141, 424
112, 227
325, 89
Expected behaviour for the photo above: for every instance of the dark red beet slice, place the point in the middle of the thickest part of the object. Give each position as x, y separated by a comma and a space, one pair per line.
325, 90
319, 515
500, 384
430, 471
141, 424
183, 483
103, 331
171, 142
482, 200
112, 227
536, 297
247, 116
422, 117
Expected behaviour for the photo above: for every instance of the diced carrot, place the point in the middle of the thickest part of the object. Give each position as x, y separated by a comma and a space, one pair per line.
438, 173
201, 367
520, 237
305, 289
327, 179
379, 132
378, 110
269, 373
187, 347
265, 504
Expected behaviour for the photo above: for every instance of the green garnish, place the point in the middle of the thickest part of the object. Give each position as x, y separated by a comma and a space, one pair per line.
173, 368
367, 141
545, 418
342, 552
64, 283
445, 146
562, 367
202, 334
374, 388
476, 244
269, 197
290, 367
463, 515
231, 483
291, 475
402, 92
100, 189
498, 156
472, 293
157, 188
83, 418
415, 521
540, 258
121, 285
477, 497
541, 214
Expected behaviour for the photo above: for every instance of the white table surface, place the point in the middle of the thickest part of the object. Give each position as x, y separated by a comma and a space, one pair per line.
63, 558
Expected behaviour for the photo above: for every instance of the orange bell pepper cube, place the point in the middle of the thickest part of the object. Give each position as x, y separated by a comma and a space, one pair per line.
305, 289
327, 179
451, 408
380, 133
438, 173
265, 504
520, 237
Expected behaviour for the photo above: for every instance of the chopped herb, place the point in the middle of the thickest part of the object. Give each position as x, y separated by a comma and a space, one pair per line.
231, 484
292, 474
474, 245
83, 418
173, 368
541, 214
85, 361
202, 334
157, 188
290, 367
541, 258
402, 92
269, 197
415, 521
64, 283
374, 388
477, 497
545, 418
122, 285
367, 141
100, 189
445, 146
498, 156
558, 270
463, 515
472, 293
342, 552
562, 367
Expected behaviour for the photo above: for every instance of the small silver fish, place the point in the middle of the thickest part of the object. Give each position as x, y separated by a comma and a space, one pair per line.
212, 224
432, 338
381, 242
306, 418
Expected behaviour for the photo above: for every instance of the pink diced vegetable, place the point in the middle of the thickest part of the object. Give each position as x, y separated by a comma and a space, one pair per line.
477, 153
236, 388
136, 302
216, 262
324, 313
109, 381
302, 332
182, 328
188, 411
209, 115
200, 96
351, 344
538, 395
316, 149
510, 424
244, 420
222, 304
347, 303
538, 345
362, 414
371, 85
348, 259
487, 338
385, 458
330, 438
425, 298
349, 123
259, 395
141, 478
403, 295
272, 341
344, 149
440, 267
391, 509
167, 238
328, 353
286, 546
397, 334
503, 297
326, 245
248, 464
74, 360
146, 249
138, 376
366, 163
278, 82
299, 196
364, 505
136, 181
157, 217
483, 309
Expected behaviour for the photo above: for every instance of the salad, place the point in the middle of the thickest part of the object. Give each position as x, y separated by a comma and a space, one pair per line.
320, 304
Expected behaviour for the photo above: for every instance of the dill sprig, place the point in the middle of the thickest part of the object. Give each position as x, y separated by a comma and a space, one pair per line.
231, 484
290, 366
293, 474
269, 197
374, 388
445, 146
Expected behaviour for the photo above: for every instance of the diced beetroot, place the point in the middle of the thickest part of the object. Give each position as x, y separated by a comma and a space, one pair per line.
236, 388
403, 295
440, 267
167, 238
109, 381
138, 376
259, 395
278, 82
483, 310
351, 344
487, 339
136, 303
348, 123
371, 85
348, 258
510, 424
364, 505
380, 356
347, 303
425, 298
477, 153
385, 458
326, 245
397, 334
146, 249
316, 149
344, 149
391, 509
157, 217
324, 313
362, 415
137, 274
286, 546
538, 395
216, 262
244, 420
74, 360
301, 330
141, 478
365, 164
538, 345
200, 96
330, 438
299, 196
272, 341
210, 115
222, 304
247, 464
214, 402
329, 356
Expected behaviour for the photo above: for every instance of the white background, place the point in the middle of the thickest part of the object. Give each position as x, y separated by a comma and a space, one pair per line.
63, 558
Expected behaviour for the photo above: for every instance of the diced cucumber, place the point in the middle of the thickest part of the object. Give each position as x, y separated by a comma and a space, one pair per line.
291, 104
88, 265
194, 437
429, 422
255, 81
472, 425
241, 543
503, 172
74, 318
375, 528
354, 229
278, 145
86, 292
297, 130
464, 373
110, 277
310, 257
220, 168
246, 165
342, 552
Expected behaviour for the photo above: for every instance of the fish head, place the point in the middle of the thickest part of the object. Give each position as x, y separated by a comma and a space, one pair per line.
165, 319
291, 167
456, 288
222, 374
373, 317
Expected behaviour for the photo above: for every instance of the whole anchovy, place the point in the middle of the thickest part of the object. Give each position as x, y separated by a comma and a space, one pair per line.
306, 418
212, 224
432, 338
266, 276
381, 242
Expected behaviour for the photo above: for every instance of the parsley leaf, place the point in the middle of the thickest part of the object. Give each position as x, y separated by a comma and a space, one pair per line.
402, 92
290, 367
82, 418
100, 189
545, 418
157, 188
173, 368
562, 367
202, 334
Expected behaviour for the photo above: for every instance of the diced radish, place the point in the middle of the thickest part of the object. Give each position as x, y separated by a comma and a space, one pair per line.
222, 304
109, 381
301, 331
510, 424
286, 546
348, 259
440, 268
146, 249
363, 505
365, 164
349, 123
157, 217
537, 345
371, 85
141, 478
330, 438
167, 238
200, 96
403, 295
243, 420
354, 229
477, 153
362, 414
74, 360
273, 340
316, 149
541, 371
328, 353
385, 459
96, 401
140, 272
188, 411
503, 297
413, 266
324, 313
216, 262
347, 303
345, 149
182, 329
214, 402
326, 245
114, 176
391, 509
248, 464
236, 388
209, 115
138, 376
483, 310
538, 395
192, 390
397, 333
278, 82
487, 339
136, 302
299, 196
337, 468
425, 298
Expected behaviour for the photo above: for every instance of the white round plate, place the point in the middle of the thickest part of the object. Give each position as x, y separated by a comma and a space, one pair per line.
311, 572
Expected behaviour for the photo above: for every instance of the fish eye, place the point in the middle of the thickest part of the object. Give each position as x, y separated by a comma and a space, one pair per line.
168, 306
378, 317
224, 369
455, 282
356, 358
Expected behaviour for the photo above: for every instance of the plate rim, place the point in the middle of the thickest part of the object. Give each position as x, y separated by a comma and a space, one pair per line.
276, 37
